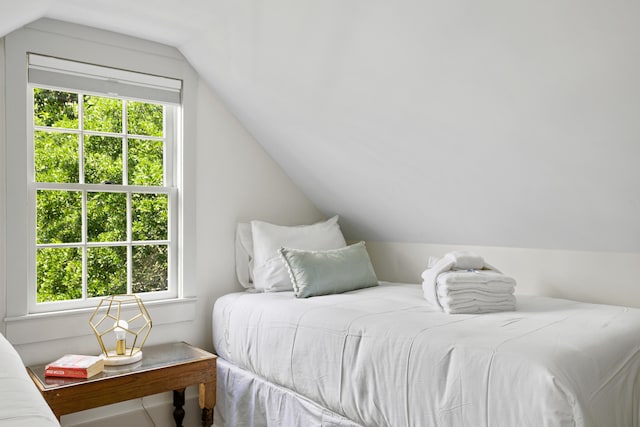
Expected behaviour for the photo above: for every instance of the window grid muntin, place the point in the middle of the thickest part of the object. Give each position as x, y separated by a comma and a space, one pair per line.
170, 115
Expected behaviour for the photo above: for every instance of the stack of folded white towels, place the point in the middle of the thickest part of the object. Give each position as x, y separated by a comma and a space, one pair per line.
462, 282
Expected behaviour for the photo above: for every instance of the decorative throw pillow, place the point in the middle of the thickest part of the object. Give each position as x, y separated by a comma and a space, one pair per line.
269, 272
329, 272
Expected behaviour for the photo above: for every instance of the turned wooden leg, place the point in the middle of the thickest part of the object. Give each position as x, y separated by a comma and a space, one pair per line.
178, 403
207, 417
207, 400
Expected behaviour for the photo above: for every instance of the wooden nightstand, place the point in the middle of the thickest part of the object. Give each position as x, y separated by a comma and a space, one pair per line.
166, 367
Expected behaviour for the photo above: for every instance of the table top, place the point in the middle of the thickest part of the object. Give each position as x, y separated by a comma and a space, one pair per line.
153, 357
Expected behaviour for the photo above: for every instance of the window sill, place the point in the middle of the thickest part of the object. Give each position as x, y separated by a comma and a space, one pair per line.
33, 328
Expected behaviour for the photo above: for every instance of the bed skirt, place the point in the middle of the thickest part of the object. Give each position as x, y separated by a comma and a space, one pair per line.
244, 399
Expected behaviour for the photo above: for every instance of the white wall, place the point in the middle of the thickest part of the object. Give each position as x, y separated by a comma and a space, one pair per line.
488, 123
599, 277
229, 176
371, 120
493, 125
235, 180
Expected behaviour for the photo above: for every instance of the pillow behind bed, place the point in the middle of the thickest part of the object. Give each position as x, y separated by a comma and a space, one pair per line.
269, 272
244, 254
334, 271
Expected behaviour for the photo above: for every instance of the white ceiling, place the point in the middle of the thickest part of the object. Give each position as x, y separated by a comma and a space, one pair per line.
479, 123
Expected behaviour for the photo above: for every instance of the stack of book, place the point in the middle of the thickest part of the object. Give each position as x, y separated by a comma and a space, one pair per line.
75, 366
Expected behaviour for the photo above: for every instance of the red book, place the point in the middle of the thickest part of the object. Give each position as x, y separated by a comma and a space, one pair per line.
75, 366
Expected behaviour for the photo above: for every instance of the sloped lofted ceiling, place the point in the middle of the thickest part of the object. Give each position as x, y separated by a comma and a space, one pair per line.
477, 123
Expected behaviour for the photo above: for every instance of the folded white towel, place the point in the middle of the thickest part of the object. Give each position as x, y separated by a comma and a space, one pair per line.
466, 260
461, 301
479, 277
443, 291
477, 307
461, 281
452, 260
429, 279
489, 288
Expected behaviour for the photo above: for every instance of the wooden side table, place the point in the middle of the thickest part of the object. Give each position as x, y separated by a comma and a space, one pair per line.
166, 367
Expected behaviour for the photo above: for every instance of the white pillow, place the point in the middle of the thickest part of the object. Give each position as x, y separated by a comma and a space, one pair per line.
244, 254
269, 271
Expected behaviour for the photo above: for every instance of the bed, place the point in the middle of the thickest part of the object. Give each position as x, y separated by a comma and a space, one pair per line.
21, 404
381, 356
316, 340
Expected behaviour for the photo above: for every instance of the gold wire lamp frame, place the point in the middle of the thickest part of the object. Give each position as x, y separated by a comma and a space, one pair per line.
128, 319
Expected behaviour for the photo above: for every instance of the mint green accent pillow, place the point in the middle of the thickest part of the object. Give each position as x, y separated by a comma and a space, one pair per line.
332, 271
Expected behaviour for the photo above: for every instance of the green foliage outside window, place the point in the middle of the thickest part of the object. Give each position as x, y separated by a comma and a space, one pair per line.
59, 213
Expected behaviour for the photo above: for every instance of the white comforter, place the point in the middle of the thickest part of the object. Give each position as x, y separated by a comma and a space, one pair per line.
383, 357
21, 404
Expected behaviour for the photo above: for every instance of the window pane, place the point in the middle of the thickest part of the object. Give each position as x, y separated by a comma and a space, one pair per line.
59, 274
150, 216
144, 119
55, 109
102, 160
102, 114
145, 162
107, 271
56, 157
106, 217
59, 216
150, 268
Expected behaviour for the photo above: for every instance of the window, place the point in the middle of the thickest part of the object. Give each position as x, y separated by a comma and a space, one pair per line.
85, 66
103, 193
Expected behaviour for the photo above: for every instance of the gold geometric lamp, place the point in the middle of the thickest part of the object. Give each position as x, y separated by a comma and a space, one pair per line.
121, 324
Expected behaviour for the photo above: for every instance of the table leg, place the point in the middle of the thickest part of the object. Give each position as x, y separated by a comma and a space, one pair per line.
178, 403
207, 400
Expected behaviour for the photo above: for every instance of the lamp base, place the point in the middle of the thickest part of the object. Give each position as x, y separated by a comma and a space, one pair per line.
114, 359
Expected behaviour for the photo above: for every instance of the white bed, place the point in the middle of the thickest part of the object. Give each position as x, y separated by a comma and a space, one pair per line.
21, 404
382, 356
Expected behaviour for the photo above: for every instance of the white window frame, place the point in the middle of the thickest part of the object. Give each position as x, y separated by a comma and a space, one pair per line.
91, 46
169, 139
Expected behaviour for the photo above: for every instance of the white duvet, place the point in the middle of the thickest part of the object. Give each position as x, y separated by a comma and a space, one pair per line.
383, 357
